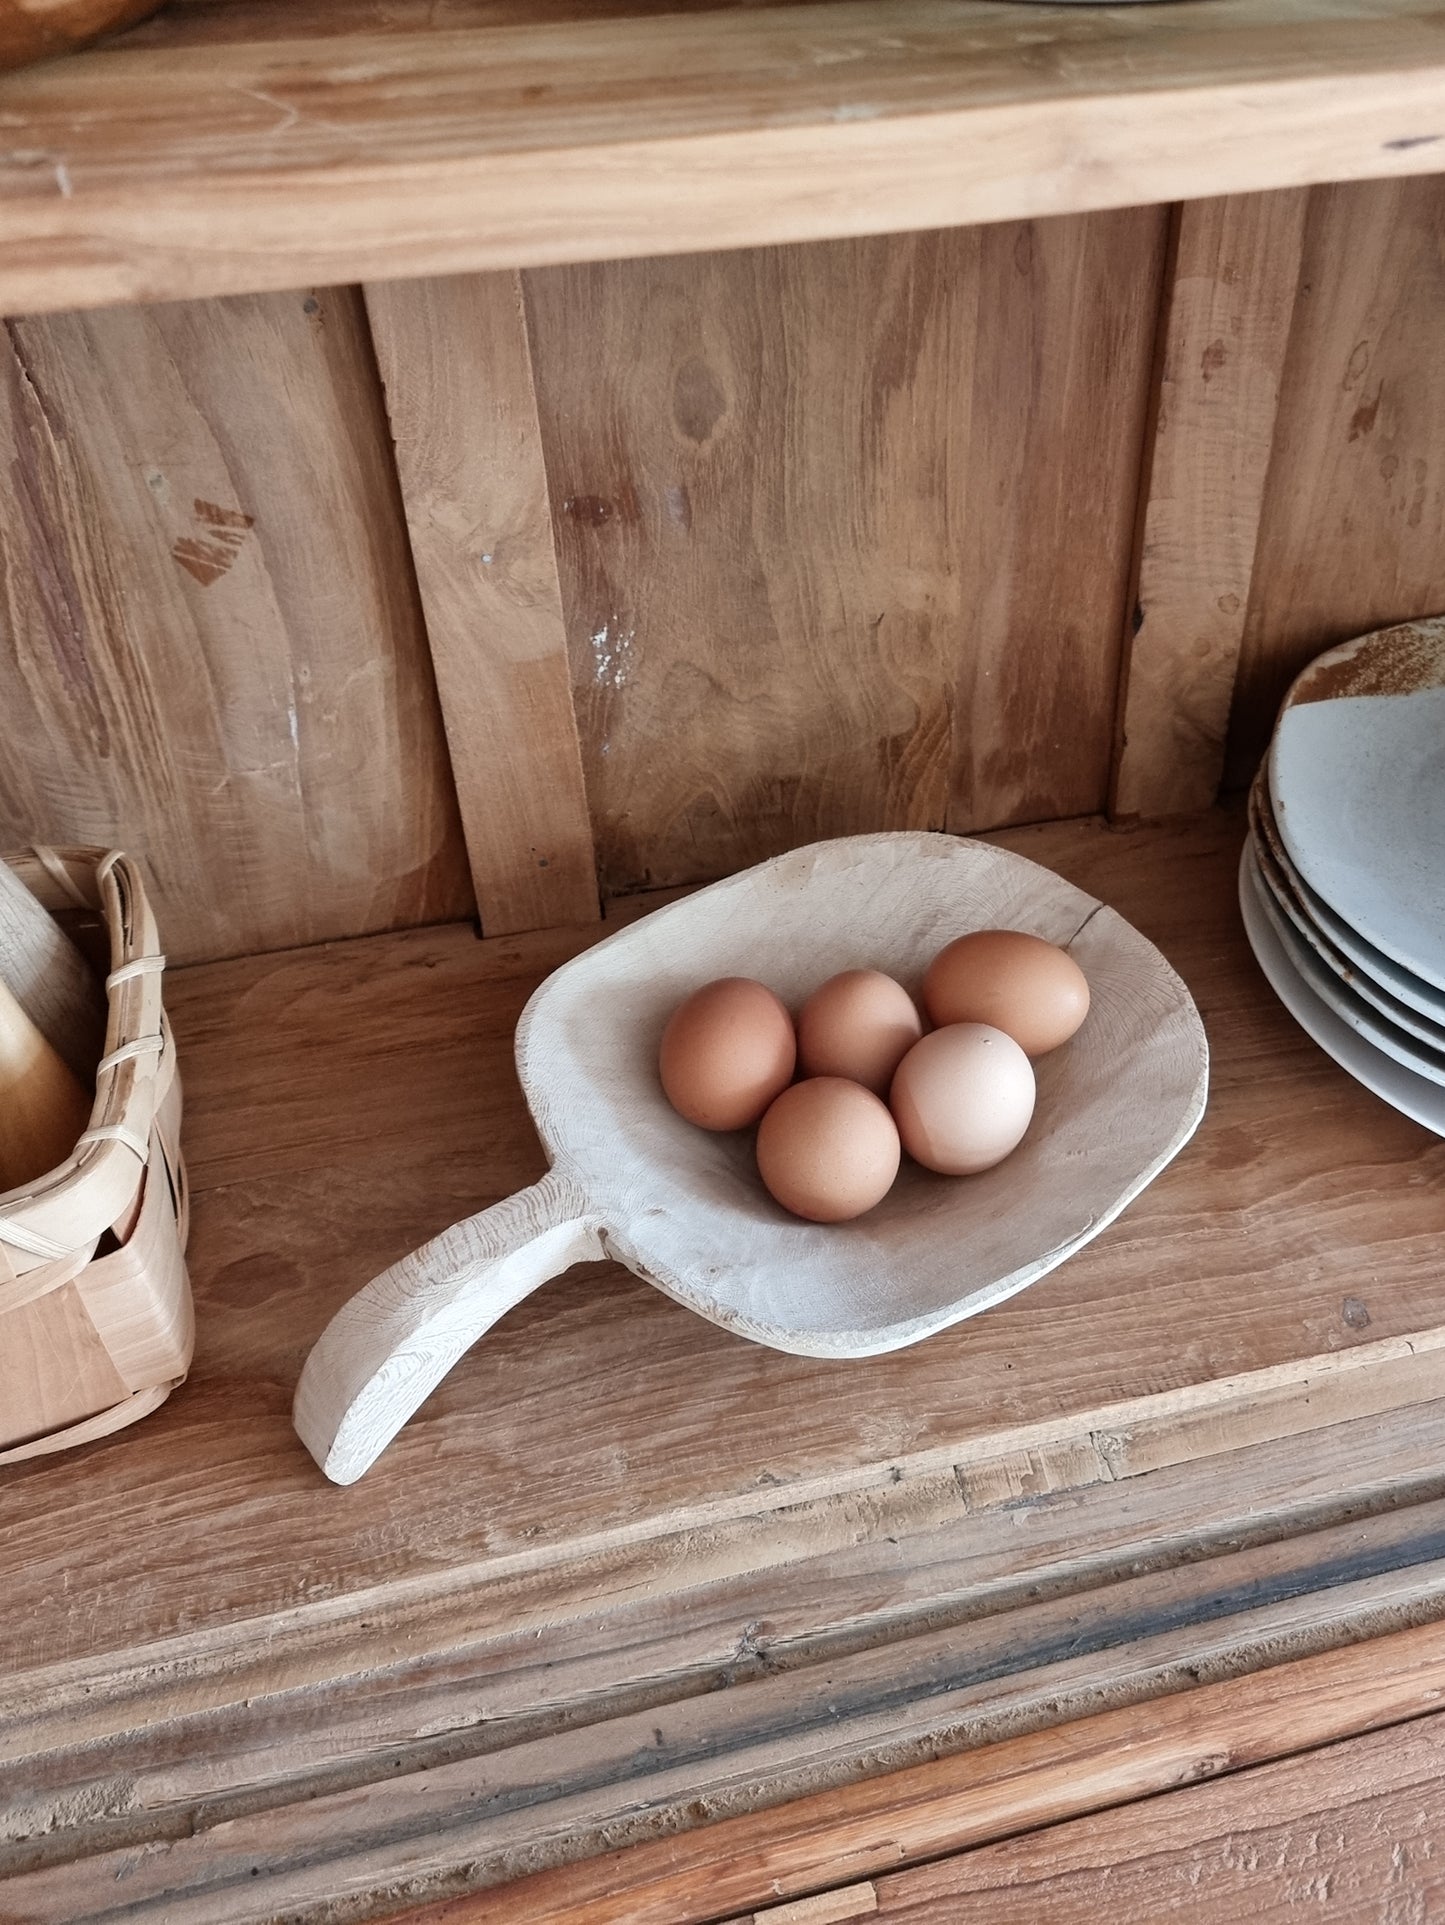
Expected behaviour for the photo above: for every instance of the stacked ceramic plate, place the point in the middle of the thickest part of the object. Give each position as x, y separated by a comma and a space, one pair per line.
1342, 880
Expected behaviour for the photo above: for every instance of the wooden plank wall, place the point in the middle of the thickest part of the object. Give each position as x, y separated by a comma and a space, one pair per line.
1320, 316
844, 531
213, 650
759, 547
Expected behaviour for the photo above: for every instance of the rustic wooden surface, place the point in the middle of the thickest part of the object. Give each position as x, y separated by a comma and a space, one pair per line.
814, 579
1351, 1833
1061, 368
1232, 288
1349, 538
782, 1857
457, 370
669, 1507
202, 169
212, 649
553, 1740
816, 583
401, 1113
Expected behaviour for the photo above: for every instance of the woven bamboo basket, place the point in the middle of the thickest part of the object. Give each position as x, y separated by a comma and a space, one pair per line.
96, 1323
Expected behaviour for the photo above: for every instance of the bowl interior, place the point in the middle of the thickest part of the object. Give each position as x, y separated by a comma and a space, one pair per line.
686, 1208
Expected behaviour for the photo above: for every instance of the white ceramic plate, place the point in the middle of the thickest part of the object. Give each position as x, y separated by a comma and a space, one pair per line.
1357, 778
1391, 977
1342, 1000
1412, 1095
1396, 1013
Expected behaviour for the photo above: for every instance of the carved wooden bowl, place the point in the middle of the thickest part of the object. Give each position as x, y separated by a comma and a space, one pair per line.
684, 1209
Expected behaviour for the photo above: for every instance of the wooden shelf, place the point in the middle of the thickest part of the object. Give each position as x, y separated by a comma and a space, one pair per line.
199, 1628
258, 145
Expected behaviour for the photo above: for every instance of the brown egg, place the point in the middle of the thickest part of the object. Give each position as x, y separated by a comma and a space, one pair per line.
726, 1052
1021, 984
828, 1150
859, 1025
962, 1098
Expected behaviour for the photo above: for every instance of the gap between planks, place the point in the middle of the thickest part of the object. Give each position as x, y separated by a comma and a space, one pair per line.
1228, 311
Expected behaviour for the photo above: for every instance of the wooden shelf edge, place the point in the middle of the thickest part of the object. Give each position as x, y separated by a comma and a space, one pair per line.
904, 1818
159, 172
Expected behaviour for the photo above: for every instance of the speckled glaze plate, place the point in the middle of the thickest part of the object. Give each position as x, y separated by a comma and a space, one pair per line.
1414, 1096
1287, 899
1338, 996
1368, 960
1357, 781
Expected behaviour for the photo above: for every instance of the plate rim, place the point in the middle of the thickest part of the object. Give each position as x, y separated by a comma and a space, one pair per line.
1413, 1096
1432, 628
1335, 995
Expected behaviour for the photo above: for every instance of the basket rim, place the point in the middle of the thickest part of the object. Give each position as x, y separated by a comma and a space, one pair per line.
57, 1216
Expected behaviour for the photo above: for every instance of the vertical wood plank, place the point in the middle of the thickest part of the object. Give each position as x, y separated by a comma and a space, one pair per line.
458, 377
759, 601
1230, 305
1352, 535
843, 531
212, 645
1061, 363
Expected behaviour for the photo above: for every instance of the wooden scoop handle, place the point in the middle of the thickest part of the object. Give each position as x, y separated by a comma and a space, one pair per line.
385, 1351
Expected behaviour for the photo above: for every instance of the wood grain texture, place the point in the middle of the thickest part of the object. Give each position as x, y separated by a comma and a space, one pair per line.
1350, 1832
873, 1828
1355, 500
202, 169
213, 648
457, 371
1061, 368
792, 489
730, 1749
322, 1700
1235, 274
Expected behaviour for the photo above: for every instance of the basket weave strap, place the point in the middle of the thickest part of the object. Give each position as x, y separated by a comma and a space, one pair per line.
50, 862
30, 1241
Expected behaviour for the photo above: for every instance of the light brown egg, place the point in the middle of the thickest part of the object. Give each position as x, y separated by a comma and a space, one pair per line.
962, 1098
859, 1025
828, 1150
726, 1053
1028, 988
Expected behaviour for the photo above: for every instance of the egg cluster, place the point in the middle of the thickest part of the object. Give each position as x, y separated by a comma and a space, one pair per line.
873, 1085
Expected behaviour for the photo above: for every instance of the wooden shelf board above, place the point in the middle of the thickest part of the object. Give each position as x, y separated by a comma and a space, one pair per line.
368, 143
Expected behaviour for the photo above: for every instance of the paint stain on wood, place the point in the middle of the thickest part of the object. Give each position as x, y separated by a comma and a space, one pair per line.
209, 555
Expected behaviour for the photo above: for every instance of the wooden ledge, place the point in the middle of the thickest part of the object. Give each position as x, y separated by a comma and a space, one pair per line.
183, 161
